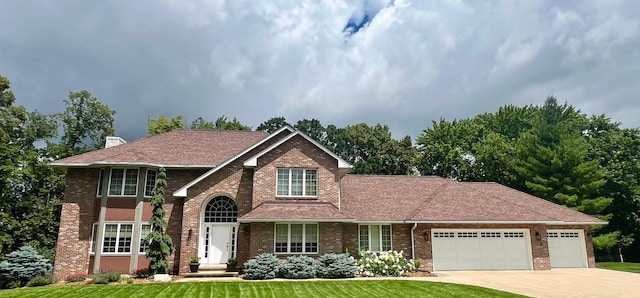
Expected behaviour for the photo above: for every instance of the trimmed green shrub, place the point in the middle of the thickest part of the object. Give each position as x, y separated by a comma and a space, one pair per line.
44, 280
262, 267
297, 267
106, 277
141, 273
21, 266
336, 266
386, 263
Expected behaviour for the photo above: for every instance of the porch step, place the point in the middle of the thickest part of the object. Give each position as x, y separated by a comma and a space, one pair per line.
211, 274
212, 267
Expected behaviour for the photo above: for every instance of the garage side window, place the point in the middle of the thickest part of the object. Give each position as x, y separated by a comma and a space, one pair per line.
375, 237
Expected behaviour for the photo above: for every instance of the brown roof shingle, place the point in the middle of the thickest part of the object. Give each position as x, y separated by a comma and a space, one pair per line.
430, 198
296, 210
172, 149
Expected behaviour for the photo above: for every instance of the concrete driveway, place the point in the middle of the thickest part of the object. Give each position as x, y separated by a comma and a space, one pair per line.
551, 283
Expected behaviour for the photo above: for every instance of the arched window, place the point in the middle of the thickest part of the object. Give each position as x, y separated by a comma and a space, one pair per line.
221, 209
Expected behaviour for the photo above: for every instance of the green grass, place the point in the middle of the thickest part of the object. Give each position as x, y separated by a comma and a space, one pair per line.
628, 267
307, 289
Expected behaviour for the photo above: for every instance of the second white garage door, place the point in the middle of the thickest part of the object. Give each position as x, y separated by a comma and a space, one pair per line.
567, 248
481, 249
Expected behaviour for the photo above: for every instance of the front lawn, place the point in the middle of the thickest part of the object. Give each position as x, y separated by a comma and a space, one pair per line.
628, 267
307, 289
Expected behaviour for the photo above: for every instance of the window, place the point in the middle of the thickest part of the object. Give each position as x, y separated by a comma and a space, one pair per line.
375, 237
296, 238
150, 183
297, 182
146, 229
117, 237
123, 182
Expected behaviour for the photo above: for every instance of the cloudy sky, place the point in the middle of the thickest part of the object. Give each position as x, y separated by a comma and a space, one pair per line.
402, 63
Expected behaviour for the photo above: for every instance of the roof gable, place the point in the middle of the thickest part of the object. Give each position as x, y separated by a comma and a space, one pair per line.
182, 191
253, 161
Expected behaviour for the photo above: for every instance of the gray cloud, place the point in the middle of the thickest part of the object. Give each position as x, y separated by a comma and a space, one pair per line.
414, 62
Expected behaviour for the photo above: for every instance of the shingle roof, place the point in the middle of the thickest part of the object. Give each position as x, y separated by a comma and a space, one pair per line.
296, 210
188, 148
426, 199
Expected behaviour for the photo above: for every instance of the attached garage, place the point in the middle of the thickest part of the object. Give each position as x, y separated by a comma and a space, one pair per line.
567, 248
481, 249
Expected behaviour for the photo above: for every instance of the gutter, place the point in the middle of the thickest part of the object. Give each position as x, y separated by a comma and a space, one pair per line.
413, 245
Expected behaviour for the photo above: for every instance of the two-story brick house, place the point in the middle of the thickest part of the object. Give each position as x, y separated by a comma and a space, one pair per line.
239, 194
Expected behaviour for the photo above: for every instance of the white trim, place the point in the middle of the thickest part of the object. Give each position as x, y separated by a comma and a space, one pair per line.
182, 191
486, 222
124, 184
146, 180
581, 223
290, 184
582, 241
119, 224
253, 161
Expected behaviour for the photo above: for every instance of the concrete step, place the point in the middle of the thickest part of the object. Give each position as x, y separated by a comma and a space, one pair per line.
211, 273
212, 267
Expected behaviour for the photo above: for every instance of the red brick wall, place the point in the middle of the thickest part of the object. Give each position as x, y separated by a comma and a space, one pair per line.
74, 236
296, 153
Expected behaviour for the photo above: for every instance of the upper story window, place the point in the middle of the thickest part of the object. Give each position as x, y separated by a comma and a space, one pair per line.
124, 182
150, 182
297, 182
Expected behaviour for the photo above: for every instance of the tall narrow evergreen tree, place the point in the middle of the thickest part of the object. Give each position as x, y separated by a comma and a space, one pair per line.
160, 244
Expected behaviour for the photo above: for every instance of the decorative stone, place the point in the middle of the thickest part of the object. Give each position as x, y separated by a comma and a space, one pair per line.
161, 278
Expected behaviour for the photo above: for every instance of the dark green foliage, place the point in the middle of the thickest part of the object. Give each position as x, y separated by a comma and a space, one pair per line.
336, 266
141, 273
264, 266
106, 277
76, 277
160, 244
21, 266
43, 280
297, 267
272, 124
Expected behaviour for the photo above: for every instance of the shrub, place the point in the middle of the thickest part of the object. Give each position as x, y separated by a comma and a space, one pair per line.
76, 277
297, 267
389, 263
43, 280
262, 267
141, 273
336, 266
21, 266
106, 277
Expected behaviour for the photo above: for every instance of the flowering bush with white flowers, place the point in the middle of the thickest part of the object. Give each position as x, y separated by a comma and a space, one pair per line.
386, 263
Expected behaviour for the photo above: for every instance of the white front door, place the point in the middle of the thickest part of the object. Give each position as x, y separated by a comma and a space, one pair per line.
217, 242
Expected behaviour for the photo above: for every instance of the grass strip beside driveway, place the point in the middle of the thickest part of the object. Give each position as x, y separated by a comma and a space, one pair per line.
627, 267
307, 289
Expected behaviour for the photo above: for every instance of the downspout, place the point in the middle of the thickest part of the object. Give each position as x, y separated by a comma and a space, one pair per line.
413, 245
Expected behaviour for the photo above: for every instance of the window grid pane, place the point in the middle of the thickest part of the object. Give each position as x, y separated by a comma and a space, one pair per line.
115, 184
131, 182
110, 238
296, 182
386, 237
144, 244
93, 238
124, 240
283, 182
364, 237
311, 238
151, 182
296, 238
281, 237
375, 237
311, 183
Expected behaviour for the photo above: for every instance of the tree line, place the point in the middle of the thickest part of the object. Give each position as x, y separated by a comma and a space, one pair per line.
553, 151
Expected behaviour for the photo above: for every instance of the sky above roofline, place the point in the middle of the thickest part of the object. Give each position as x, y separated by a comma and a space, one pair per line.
401, 63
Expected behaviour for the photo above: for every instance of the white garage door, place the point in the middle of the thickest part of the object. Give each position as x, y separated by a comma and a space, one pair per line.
567, 248
481, 249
